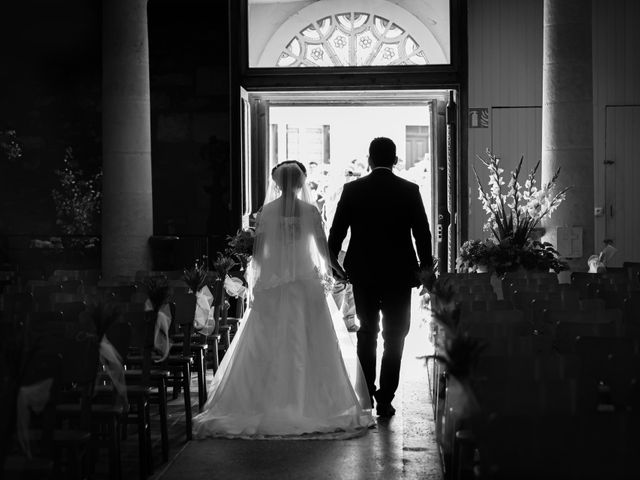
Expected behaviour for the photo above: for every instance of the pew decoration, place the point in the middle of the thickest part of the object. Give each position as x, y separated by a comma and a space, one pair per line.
204, 322
103, 315
196, 279
240, 246
31, 398
158, 302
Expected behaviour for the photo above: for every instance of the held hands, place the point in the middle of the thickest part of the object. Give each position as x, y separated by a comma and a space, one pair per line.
427, 277
339, 274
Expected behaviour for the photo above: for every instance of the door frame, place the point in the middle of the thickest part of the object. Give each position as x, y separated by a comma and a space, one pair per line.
453, 76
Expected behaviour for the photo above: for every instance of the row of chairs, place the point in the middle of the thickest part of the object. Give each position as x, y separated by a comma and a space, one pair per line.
69, 429
174, 371
551, 352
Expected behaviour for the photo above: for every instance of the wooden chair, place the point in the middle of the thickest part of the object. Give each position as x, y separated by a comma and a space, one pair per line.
87, 276
22, 302
42, 295
15, 464
497, 328
36, 318
135, 330
567, 332
76, 345
142, 329
161, 376
107, 413
66, 297
591, 304
138, 297
70, 310
122, 293
605, 346
184, 312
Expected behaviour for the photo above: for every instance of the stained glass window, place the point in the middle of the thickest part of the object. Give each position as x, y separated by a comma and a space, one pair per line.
352, 39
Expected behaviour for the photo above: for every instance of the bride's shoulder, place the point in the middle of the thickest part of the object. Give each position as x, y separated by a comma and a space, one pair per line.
309, 208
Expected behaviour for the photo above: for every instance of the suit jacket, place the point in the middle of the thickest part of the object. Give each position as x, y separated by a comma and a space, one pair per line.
383, 211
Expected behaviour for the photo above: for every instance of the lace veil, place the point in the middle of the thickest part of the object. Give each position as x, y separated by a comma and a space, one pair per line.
290, 242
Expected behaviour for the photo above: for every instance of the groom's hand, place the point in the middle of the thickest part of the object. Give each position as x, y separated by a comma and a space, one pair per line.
427, 278
340, 275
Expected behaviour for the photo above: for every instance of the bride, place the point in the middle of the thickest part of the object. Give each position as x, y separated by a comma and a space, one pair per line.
291, 371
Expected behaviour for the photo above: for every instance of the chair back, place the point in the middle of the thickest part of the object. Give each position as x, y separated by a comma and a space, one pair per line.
123, 293
142, 331
185, 310
71, 310
119, 335
36, 318
22, 302
65, 297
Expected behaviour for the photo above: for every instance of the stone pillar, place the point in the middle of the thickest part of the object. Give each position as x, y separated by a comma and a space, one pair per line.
127, 207
567, 118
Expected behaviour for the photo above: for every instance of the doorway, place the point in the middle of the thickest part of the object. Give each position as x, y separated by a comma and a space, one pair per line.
329, 132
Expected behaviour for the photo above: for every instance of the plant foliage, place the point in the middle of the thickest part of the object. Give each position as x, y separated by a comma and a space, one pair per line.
77, 199
196, 276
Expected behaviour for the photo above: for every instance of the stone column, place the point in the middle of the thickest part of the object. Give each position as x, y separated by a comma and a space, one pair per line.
567, 118
127, 207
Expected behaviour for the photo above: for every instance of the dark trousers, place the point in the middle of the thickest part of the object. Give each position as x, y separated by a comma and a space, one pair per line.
394, 303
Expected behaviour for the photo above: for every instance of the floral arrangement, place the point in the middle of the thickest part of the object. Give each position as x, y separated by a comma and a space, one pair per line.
78, 200
474, 253
223, 264
196, 276
241, 244
513, 211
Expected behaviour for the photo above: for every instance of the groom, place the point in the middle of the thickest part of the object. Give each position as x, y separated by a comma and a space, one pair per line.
383, 211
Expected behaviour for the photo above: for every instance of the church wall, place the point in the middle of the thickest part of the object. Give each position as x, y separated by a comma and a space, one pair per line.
505, 77
616, 83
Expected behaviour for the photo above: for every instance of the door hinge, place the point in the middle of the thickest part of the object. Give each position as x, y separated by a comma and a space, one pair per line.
609, 162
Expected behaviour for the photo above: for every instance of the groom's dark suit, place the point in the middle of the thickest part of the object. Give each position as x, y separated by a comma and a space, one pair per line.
383, 211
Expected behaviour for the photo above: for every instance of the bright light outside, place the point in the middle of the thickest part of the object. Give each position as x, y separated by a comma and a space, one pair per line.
333, 142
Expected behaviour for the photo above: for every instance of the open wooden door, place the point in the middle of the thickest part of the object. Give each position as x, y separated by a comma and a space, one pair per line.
245, 157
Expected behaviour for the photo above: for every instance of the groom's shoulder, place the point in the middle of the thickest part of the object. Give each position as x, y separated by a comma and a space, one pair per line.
406, 183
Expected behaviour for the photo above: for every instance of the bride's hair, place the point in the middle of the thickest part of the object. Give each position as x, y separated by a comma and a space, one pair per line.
289, 174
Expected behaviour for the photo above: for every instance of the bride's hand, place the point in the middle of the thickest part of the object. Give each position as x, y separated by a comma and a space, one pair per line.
339, 274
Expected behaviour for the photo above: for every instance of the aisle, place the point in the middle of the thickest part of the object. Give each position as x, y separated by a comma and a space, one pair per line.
400, 448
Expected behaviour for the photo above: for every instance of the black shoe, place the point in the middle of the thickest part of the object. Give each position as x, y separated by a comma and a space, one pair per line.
385, 410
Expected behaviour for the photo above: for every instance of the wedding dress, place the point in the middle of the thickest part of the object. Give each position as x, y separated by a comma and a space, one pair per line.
291, 371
